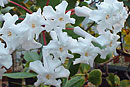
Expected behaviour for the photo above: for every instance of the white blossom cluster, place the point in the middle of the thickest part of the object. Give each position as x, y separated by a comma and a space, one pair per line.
110, 17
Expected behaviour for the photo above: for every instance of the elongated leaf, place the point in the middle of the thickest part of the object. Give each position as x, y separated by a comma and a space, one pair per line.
75, 82
20, 75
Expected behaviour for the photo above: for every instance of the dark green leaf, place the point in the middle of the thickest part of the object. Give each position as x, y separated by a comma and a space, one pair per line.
100, 60
95, 77
75, 82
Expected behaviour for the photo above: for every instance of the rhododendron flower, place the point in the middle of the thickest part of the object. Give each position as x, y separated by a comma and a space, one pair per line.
87, 51
110, 13
33, 23
50, 72
2, 2
109, 41
9, 34
60, 45
57, 18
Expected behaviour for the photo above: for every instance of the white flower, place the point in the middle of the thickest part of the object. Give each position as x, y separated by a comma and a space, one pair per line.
109, 41
110, 13
60, 45
8, 32
83, 11
57, 18
2, 2
33, 23
83, 33
87, 51
5, 58
48, 73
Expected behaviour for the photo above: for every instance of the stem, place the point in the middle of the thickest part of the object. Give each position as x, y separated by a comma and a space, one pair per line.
21, 18
69, 28
80, 74
72, 10
44, 37
47, 2
72, 13
21, 6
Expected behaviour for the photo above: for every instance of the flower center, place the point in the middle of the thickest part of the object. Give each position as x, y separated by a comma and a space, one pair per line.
9, 33
111, 44
48, 76
61, 49
107, 17
86, 54
61, 19
33, 25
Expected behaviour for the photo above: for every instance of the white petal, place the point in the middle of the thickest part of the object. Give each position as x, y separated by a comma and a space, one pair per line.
6, 61
37, 67
62, 7
81, 32
53, 35
83, 11
48, 12
61, 72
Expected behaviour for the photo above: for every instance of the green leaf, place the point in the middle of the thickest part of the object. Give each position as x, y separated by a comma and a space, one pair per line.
128, 21
20, 75
113, 80
95, 77
78, 19
73, 68
75, 82
31, 56
51, 3
100, 60
84, 68
7, 9
71, 4
125, 83
127, 3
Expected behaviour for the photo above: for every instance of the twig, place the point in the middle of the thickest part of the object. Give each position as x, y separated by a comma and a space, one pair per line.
21, 6
90, 26
122, 53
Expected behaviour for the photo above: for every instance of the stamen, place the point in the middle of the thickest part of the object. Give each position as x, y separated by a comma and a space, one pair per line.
33, 25
107, 17
86, 54
9, 33
111, 44
48, 76
61, 19
61, 49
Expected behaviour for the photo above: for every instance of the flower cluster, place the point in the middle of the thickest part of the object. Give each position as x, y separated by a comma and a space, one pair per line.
110, 17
